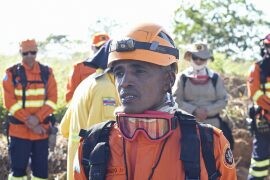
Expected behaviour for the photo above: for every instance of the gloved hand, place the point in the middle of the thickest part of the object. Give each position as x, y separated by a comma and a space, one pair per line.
52, 137
262, 125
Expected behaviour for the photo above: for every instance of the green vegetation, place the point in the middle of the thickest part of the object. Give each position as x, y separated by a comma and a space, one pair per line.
230, 27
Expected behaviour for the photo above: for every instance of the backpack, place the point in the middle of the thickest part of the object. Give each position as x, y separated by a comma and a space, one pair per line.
96, 149
214, 79
264, 72
18, 71
224, 126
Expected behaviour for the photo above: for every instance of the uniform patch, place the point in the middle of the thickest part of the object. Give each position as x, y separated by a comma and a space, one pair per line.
108, 101
112, 171
5, 77
228, 159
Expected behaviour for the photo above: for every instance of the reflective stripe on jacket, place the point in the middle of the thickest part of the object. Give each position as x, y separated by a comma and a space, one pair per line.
255, 90
35, 103
142, 155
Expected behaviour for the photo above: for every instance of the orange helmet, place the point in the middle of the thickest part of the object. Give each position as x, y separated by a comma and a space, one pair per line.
266, 40
99, 39
145, 42
28, 45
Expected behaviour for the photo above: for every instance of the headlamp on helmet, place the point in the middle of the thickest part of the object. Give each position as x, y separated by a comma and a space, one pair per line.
129, 44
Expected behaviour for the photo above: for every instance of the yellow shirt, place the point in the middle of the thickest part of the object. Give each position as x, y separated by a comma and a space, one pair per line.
94, 101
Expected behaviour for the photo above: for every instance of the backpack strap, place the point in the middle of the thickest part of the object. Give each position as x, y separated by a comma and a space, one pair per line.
96, 150
263, 74
18, 70
207, 143
184, 80
44, 75
190, 145
214, 80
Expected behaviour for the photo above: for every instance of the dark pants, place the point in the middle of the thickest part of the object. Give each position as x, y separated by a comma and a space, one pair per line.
21, 150
260, 157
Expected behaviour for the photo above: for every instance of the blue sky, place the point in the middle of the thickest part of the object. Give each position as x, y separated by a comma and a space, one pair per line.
22, 19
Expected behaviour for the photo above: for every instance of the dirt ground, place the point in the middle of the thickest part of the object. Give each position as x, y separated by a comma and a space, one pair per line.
235, 114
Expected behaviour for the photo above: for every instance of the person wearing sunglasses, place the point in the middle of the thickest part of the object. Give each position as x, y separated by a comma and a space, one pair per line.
258, 84
201, 91
147, 141
30, 97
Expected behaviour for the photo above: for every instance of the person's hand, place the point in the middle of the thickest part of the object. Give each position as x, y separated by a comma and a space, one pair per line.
32, 121
201, 114
39, 129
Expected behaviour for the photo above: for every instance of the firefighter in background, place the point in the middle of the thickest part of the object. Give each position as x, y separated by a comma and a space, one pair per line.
148, 141
30, 96
84, 69
94, 101
200, 91
259, 89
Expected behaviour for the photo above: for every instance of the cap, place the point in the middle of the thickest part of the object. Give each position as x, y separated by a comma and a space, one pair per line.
198, 49
28, 45
99, 39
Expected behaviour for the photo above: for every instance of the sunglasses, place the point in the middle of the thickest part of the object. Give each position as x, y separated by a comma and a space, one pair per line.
29, 52
154, 125
195, 58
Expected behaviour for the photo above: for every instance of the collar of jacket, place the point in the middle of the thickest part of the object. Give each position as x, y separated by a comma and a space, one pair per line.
35, 68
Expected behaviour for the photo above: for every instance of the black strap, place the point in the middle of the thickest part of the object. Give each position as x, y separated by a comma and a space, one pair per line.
96, 150
207, 142
18, 70
190, 146
214, 79
44, 74
184, 80
51, 118
264, 68
23, 81
131, 44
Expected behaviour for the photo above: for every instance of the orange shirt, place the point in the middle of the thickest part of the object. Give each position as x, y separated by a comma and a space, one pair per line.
80, 72
142, 155
255, 90
35, 103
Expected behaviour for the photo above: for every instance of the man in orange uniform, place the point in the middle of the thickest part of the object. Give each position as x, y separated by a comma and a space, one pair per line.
259, 89
30, 96
83, 69
151, 133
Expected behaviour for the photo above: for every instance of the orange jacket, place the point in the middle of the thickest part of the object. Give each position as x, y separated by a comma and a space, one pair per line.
255, 91
142, 155
34, 104
80, 72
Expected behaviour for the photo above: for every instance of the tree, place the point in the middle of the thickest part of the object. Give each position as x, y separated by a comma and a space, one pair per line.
229, 26
104, 25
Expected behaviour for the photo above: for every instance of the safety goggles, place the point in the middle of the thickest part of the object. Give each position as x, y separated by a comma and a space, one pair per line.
29, 52
196, 58
154, 125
